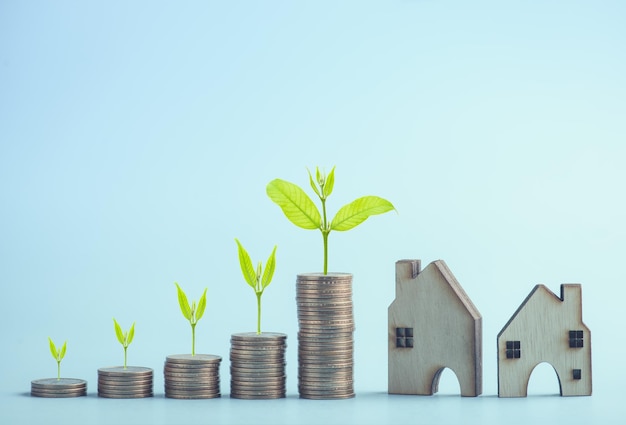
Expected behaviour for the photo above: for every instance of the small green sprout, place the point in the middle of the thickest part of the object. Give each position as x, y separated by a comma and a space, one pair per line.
191, 312
258, 280
58, 355
125, 338
302, 212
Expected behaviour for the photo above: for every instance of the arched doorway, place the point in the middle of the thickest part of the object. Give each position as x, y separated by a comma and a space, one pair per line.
541, 380
445, 381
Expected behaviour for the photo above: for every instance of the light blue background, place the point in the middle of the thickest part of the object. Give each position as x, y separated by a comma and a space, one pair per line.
137, 138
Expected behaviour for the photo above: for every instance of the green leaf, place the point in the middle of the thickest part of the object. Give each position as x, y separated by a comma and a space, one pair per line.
296, 205
53, 349
247, 269
357, 211
312, 183
118, 332
201, 305
131, 335
185, 308
269, 269
330, 183
63, 350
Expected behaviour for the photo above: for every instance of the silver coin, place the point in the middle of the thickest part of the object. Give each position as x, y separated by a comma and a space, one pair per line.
125, 379
259, 392
195, 369
326, 383
326, 396
257, 353
327, 366
125, 382
312, 387
323, 296
125, 385
264, 377
63, 383
129, 371
251, 365
317, 350
193, 388
325, 276
126, 395
197, 359
194, 392
136, 392
191, 368
192, 396
257, 397
272, 375
308, 313
58, 390
263, 337
259, 348
196, 376
305, 346
261, 387
192, 382
59, 394
257, 357
304, 288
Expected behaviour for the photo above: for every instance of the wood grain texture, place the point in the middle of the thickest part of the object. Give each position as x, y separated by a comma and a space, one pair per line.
541, 325
447, 330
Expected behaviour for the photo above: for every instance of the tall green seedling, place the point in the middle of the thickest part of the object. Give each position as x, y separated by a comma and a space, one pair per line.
301, 211
58, 355
259, 279
191, 312
125, 338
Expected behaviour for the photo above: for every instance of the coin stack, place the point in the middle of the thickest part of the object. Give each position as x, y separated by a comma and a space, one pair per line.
58, 388
129, 382
325, 340
257, 365
188, 376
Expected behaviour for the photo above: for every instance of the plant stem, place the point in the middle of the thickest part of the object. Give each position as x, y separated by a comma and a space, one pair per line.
258, 304
58, 371
193, 340
325, 232
125, 357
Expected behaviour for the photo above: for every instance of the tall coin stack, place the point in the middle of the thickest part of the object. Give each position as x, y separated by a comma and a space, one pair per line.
257, 365
120, 382
191, 377
325, 340
58, 388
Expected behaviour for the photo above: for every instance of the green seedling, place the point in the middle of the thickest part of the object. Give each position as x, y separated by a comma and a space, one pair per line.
191, 312
125, 338
58, 355
301, 211
258, 280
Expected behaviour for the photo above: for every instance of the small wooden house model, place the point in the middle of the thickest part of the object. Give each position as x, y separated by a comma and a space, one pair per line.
433, 325
546, 328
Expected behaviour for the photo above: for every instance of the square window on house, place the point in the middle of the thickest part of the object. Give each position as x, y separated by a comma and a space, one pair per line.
576, 374
404, 337
576, 339
513, 350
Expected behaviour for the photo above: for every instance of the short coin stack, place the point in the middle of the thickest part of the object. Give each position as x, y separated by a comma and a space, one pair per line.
191, 377
120, 382
58, 388
325, 340
257, 365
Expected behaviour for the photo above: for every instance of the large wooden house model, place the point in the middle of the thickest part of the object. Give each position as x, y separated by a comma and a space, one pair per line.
433, 325
546, 328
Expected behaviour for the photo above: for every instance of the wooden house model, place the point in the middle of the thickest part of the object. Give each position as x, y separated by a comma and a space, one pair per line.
546, 328
432, 325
